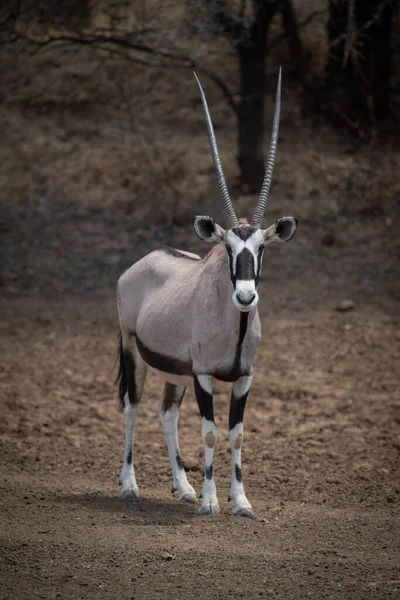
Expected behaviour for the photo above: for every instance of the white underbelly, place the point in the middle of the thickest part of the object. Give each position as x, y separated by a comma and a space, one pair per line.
184, 380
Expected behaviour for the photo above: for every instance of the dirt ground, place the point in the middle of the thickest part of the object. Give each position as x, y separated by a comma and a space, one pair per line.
321, 452
322, 437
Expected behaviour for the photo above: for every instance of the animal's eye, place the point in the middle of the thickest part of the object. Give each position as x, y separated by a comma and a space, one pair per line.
228, 246
261, 248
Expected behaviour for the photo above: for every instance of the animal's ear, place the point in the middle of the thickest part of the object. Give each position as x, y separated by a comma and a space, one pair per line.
281, 231
207, 230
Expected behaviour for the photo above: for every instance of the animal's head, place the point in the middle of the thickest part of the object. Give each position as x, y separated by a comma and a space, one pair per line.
245, 243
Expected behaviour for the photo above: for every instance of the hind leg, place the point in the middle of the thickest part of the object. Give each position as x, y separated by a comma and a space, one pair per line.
169, 415
135, 374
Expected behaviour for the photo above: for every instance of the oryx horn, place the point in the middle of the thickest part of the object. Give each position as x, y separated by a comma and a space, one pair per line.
266, 186
232, 218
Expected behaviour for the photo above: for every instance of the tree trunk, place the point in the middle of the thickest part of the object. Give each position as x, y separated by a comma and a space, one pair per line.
359, 59
251, 118
373, 73
252, 56
290, 26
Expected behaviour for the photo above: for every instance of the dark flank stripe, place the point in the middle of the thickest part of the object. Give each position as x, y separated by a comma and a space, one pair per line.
162, 362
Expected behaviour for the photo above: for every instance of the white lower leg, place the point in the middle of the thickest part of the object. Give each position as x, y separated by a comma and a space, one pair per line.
236, 493
127, 477
169, 420
209, 505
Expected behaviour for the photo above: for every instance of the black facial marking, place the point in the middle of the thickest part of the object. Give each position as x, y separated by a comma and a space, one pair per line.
230, 256
129, 458
259, 258
176, 253
244, 232
179, 461
209, 472
238, 473
245, 265
162, 362
204, 400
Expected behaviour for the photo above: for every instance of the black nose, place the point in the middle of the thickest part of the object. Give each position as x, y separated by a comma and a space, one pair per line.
244, 301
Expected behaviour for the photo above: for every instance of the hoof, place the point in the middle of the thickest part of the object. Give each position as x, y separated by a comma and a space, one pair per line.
245, 512
209, 510
173, 490
188, 498
131, 495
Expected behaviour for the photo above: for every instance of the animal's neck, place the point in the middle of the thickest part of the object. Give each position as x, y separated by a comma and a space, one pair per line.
217, 282
229, 329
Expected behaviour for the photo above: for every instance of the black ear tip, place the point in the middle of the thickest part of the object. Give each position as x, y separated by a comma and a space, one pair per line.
296, 221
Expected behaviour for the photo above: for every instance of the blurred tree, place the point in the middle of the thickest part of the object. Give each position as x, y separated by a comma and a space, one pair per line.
360, 58
247, 30
138, 33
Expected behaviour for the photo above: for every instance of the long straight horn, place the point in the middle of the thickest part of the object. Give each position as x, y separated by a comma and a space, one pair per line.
266, 186
232, 218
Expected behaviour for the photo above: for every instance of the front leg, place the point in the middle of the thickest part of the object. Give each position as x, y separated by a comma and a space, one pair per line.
203, 390
240, 391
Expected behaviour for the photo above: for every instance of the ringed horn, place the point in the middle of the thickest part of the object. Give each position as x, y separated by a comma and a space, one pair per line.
266, 186
223, 188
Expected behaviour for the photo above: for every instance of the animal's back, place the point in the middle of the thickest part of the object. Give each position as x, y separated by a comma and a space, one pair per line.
146, 288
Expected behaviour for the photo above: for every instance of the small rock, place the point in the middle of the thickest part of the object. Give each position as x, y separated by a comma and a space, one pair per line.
345, 305
167, 556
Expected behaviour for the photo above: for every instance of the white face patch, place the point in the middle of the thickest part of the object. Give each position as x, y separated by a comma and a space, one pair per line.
245, 247
251, 243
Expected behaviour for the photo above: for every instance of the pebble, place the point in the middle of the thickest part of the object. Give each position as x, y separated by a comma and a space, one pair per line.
167, 556
345, 305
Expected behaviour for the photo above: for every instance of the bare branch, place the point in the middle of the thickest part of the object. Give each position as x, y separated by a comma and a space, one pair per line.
302, 25
131, 51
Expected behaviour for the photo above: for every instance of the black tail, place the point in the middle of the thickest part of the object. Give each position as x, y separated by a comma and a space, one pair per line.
121, 380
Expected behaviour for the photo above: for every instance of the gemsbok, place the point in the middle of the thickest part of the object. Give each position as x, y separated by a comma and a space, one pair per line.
191, 319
